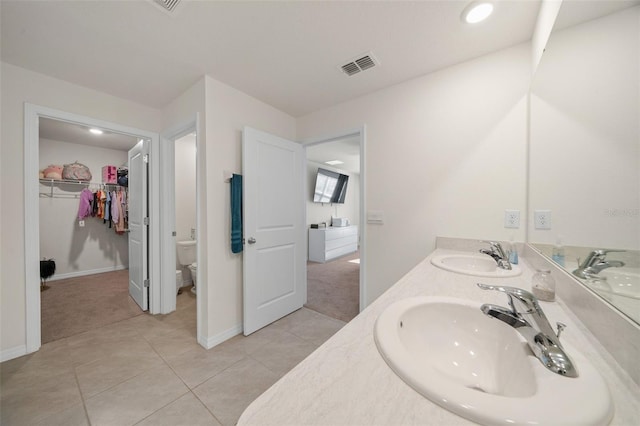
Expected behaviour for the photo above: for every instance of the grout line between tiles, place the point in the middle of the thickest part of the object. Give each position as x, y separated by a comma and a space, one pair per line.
205, 406
84, 405
166, 405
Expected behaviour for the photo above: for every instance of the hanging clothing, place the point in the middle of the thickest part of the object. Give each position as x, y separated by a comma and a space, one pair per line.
114, 207
94, 204
120, 226
102, 198
107, 208
84, 209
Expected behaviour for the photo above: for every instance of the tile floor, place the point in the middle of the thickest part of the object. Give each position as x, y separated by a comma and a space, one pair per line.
149, 370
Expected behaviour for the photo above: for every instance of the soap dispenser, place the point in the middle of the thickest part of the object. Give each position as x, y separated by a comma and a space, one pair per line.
513, 252
557, 253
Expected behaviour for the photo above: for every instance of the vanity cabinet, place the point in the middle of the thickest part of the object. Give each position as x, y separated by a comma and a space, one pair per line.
328, 243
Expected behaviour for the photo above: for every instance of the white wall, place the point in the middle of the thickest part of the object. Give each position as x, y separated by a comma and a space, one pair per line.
585, 134
78, 250
19, 86
322, 212
445, 155
185, 164
227, 112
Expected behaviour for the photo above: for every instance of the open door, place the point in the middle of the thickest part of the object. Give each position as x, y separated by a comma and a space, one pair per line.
138, 224
274, 251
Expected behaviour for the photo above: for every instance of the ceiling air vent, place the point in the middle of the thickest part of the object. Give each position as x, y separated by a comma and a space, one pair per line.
168, 5
362, 63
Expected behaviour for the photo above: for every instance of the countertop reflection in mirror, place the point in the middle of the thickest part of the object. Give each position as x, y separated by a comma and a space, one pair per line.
584, 160
618, 285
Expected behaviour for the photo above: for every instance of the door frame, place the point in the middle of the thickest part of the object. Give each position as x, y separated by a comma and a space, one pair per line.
32, 115
168, 204
361, 132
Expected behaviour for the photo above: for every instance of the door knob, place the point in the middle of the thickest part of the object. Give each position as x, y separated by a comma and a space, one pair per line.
251, 240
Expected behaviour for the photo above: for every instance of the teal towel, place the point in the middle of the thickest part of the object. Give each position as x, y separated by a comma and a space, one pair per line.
236, 213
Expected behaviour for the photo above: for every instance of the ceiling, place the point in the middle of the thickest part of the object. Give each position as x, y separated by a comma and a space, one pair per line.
574, 12
74, 133
346, 150
285, 53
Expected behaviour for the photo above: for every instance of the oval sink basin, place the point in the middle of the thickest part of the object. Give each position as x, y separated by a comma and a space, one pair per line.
622, 283
472, 264
482, 369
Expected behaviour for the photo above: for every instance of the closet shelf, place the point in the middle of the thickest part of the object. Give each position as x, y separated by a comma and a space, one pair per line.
51, 183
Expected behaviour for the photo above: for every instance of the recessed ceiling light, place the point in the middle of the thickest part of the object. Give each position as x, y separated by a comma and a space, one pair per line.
96, 131
476, 12
334, 162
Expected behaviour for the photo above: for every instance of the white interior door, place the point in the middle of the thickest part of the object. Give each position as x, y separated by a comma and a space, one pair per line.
138, 230
274, 232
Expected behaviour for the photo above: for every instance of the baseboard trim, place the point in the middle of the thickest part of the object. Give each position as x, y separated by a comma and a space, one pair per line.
213, 341
12, 353
89, 272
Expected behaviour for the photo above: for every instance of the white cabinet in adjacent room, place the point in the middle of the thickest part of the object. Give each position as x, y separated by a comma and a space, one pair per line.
328, 243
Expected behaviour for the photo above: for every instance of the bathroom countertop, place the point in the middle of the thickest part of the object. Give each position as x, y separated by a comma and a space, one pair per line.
346, 381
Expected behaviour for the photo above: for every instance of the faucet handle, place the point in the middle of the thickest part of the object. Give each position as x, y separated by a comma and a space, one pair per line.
525, 298
496, 246
493, 244
602, 252
509, 290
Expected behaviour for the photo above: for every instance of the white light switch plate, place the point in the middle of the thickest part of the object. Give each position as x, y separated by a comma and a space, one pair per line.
375, 217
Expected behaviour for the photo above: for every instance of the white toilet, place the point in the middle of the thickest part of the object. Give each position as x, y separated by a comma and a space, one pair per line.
187, 258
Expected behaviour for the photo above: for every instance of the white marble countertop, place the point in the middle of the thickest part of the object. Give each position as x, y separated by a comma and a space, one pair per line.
346, 381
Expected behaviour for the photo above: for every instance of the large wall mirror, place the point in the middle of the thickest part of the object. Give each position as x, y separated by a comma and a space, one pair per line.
584, 160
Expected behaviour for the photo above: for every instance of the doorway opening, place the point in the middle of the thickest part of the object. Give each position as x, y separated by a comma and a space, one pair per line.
84, 229
186, 244
180, 204
334, 275
33, 115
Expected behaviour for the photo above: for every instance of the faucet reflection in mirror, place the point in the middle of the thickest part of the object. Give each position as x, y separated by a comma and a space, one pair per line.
584, 159
596, 262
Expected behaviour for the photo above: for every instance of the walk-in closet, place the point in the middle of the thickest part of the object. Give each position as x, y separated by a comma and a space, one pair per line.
83, 206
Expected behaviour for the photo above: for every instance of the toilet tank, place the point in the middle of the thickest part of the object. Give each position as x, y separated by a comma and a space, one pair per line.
186, 252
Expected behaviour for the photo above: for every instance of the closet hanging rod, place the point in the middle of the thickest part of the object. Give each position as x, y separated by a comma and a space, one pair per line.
57, 195
74, 182
51, 183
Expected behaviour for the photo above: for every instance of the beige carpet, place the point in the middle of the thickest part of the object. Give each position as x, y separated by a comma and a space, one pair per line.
75, 305
333, 287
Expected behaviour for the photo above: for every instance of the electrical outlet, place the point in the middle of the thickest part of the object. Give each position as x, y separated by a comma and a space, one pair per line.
542, 219
81, 223
512, 218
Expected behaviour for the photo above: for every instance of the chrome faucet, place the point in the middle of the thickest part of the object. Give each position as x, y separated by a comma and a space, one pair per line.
596, 262
526, 316
497, 253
